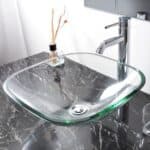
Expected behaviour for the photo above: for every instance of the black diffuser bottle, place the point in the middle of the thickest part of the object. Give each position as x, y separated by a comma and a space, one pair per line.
55, 59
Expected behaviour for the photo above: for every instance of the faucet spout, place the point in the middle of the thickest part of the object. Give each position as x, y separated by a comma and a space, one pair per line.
109, 42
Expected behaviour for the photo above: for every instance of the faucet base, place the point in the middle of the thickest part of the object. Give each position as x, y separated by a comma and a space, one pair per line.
123, 114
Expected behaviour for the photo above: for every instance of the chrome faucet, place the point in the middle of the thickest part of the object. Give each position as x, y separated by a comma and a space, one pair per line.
111, 41
122, 40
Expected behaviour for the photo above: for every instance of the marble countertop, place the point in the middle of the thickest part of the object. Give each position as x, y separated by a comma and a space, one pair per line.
20, 130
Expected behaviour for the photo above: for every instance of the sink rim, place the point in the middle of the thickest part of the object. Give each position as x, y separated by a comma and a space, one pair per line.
100, 114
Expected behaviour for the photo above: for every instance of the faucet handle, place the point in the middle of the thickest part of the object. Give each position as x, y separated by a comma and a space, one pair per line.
111, 25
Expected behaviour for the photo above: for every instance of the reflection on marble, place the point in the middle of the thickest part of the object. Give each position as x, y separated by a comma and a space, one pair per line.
20, 130
80, 137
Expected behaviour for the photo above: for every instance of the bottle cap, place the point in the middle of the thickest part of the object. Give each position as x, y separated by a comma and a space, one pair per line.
52, 47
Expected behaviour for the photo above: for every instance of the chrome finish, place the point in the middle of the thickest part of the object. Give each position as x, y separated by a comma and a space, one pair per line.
78, 109
122, 40
111, 25
110, 42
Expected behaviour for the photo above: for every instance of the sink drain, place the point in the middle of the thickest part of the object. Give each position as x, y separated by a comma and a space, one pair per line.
78, 109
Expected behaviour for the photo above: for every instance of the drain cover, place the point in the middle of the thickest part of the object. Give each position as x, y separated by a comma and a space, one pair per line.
78, 109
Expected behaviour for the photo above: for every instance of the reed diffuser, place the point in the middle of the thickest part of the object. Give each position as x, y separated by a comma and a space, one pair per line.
54, 58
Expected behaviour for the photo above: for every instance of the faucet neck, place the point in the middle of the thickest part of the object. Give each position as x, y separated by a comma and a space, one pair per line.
123, 31
123, 27
123, 47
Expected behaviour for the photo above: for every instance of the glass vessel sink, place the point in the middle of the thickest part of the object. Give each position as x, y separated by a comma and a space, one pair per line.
85, 87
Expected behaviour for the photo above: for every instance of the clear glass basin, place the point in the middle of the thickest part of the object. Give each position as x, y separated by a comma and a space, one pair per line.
84, 88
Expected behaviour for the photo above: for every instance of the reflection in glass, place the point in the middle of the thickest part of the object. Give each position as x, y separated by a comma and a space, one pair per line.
84, 88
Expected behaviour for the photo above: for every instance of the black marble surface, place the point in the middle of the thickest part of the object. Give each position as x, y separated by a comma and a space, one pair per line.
20, 130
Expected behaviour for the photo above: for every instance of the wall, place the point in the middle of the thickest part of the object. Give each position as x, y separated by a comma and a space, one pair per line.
12, 45
84, 32
139, 49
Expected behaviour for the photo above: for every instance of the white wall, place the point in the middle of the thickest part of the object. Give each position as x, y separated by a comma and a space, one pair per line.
139, 49
84, 32
12, 45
